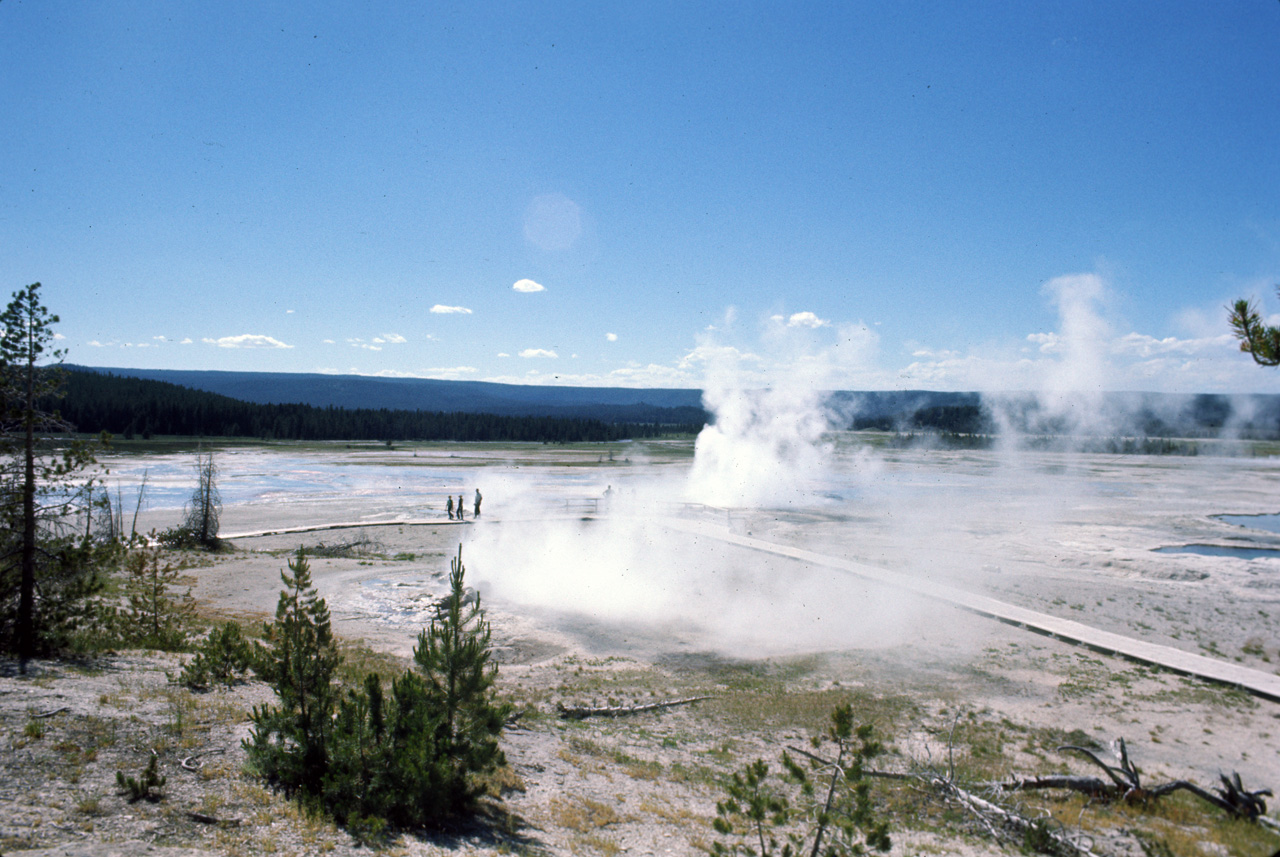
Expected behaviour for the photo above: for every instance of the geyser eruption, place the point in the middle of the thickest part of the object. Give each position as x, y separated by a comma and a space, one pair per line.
762, 448
631, 567
765, 446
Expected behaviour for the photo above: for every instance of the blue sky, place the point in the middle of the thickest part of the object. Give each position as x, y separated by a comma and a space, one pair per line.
904, 195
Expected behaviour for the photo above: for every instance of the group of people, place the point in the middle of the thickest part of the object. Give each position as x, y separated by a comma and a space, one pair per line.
448, 507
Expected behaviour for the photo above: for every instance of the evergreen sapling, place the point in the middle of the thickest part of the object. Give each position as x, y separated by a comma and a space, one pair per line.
289, 742
454, 657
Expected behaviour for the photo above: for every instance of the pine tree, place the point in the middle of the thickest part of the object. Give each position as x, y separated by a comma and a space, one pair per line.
154, 618
410, 759
50, 575
290, 742
204, 509
453, 655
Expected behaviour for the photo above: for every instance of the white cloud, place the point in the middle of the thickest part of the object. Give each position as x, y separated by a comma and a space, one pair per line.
247, 340
187, 340
441, 309
452, 373
96, 344
357, 342
1146, 346
528, 286
449, 373
503, 354
329, 342
394, 338
538, 352
1048, 342
711, 353
806, 319
653, 375
612, 337
58, 337
1087, 355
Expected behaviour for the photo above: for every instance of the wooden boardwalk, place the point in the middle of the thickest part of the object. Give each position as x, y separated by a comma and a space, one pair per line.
1256, 682
342, 525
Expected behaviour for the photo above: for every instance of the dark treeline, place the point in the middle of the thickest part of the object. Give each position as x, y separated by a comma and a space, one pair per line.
1204, 416
956, 419
96, 402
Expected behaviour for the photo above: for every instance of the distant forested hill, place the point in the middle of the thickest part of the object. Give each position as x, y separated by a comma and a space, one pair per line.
307, 405
609, 404
97, 401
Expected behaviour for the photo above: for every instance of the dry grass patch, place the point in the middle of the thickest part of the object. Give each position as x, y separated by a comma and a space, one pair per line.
582, 814
1182, 823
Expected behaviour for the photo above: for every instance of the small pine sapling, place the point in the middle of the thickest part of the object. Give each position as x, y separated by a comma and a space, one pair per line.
223, 658
822, 808
153, 617
147, 787
453, 655
289, 742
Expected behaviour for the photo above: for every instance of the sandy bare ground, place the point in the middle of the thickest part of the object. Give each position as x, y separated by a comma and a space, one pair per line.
648, 784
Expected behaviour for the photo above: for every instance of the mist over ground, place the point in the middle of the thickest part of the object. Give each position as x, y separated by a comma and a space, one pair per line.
770, 465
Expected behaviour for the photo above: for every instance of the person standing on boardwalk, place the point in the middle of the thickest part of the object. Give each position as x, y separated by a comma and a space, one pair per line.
478, 499
448, 507
459, 507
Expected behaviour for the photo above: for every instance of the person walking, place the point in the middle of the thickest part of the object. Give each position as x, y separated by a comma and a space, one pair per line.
459, 507
448, 507
478, 499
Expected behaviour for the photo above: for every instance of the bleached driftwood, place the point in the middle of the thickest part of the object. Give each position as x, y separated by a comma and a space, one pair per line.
1126, 784
51, 713
994, 818
576, 712
186, 762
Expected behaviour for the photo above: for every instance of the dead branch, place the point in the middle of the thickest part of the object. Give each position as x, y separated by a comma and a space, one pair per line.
988, 812
1233, 798
51, 713
574, 712
186, 763
984, 811
1125, 777
209, 819
360, 546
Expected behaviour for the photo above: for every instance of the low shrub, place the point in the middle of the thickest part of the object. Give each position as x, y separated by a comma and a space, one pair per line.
223, 658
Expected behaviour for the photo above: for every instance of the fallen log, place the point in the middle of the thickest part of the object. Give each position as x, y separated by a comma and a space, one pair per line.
575, 712
201, 818
987, 812
1126, 784
990, 815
